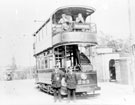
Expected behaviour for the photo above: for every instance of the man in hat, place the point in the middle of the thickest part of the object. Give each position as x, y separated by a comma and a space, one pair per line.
71, 80
56, 78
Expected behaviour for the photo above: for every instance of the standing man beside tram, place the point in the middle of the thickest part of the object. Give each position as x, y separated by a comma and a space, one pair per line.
56, 78
71, 81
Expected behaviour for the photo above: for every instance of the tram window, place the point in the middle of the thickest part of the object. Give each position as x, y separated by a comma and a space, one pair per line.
48, 29
36, 38
42, 33
68, 63
39, 36
46, 63
45, 30
50, 62
42, 64
38, 64
44, 54
58, 63
50, 51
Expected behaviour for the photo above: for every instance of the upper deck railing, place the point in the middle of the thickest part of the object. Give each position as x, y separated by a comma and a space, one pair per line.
74, 27
73, 15
73, 19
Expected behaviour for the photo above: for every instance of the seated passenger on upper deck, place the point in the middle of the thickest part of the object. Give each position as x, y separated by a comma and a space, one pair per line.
80, 18
66, 21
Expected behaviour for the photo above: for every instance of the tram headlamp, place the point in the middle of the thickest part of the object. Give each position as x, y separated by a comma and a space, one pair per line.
83, 76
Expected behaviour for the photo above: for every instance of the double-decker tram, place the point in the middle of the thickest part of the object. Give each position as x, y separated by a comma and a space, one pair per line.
66, 39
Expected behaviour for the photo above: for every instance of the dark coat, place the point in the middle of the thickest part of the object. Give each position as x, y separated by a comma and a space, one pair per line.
71, 80
56, 79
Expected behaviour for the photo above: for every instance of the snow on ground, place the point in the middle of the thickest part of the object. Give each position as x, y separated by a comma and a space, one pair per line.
24, 92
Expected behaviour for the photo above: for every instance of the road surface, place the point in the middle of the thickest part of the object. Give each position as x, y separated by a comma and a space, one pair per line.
24, 92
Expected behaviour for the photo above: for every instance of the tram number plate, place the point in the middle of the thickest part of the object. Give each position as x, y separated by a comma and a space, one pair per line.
85, 88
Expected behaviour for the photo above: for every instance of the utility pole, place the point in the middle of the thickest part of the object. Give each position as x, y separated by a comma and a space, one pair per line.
132, 57
129, 19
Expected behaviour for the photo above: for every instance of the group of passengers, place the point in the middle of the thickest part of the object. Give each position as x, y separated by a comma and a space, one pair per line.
67, 21
70, 80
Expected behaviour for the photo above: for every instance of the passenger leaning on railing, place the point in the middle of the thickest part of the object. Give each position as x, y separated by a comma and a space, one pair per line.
79, 19
66, 22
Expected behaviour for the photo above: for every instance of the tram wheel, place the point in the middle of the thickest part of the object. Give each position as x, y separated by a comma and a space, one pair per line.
47, 88
51, 90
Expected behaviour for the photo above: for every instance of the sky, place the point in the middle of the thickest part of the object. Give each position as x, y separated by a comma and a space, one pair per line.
17, 23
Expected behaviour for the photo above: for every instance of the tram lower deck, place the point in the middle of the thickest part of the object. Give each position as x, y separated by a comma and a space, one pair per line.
70, 55
86, 82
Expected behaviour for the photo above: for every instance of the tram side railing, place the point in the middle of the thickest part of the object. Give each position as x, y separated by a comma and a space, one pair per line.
75, 27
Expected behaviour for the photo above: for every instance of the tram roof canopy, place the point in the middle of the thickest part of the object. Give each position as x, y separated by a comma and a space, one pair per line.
73, 11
